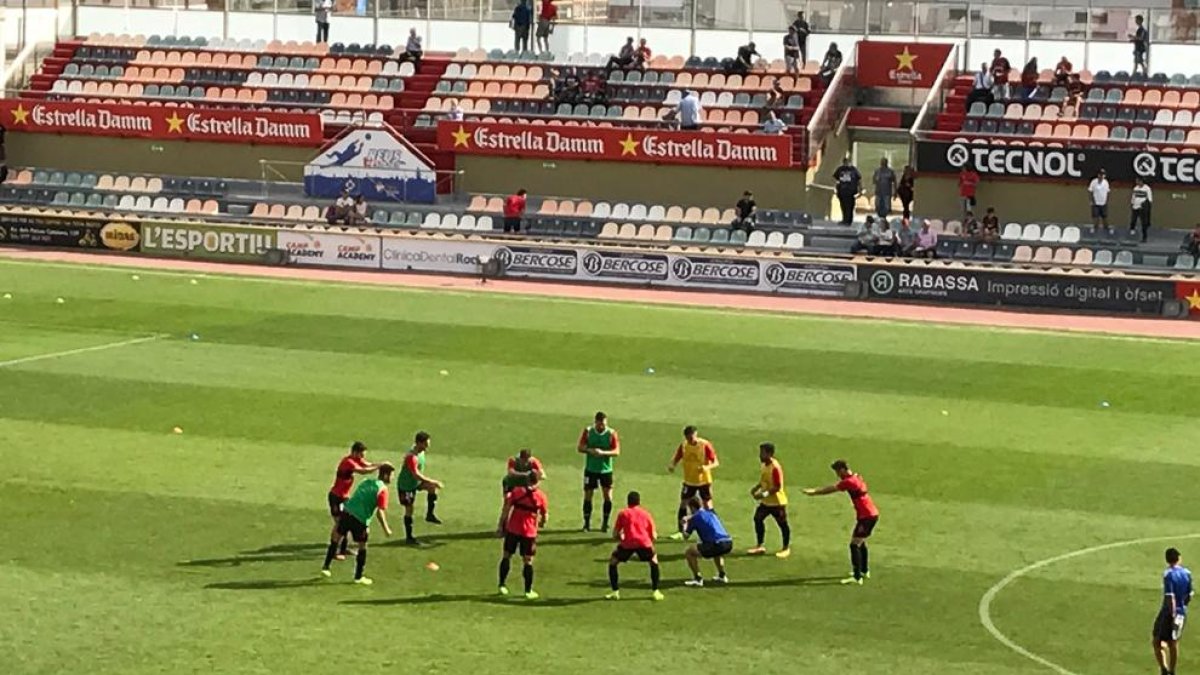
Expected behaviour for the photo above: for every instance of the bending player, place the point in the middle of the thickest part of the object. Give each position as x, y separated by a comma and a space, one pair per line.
772, 502
601, 445
412, 480
865, 512
343, 481
635, 533
525, 510
368, 501
715, 542
699, 459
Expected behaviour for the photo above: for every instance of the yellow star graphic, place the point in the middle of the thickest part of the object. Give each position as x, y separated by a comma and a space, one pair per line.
462, 139
1194, 299
20, 114
628, 145
904, 60
175, 123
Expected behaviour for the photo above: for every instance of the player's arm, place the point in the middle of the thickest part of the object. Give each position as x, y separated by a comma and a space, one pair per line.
675, 459
710, 458
416, 472
537, 466
504, 515
817, 492
614, 448
583, 446
776, 484
544, 512
381, 512
366, 468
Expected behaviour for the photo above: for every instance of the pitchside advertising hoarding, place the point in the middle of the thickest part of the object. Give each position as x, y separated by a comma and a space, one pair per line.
208, 242
331, 250
57, 232
1074, 164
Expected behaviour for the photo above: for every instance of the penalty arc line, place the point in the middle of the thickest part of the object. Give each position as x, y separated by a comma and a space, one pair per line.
81, 350
985, 603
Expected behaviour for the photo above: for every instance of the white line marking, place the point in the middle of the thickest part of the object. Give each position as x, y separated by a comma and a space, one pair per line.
81, 350
985, 603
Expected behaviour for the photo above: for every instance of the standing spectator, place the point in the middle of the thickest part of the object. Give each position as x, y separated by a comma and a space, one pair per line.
547, 17
990, 226
1141, 45
690, 114
981, 88
968, 182
776, 96
747, 213
1029, 79
773, 125
884, 181
1140, 201
829, 66
906, 190
514, 210
744, 60
321, 10
412, 49
1191, 243
927, 241
1062, 72
802, 33
1000, 71
624, 58
1098, 191
848, 184
520, 22
791, 51
886, 241
455, 113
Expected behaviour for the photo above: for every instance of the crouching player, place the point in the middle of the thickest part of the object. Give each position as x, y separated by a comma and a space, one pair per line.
635, 534
525, 510
368, 501
715, 542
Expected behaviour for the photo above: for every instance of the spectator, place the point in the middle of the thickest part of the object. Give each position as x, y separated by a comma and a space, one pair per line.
339, 211
773, 125
357, 215
972, 229
990, 226
906, 238
514, 210
1191, 242
747, 213
321, 10
927, 241
981, 88
624, 58
906, 190
1141, 45
776, 96
791, 51
865, 236
829, 67
1029, 79
1062, 72
968, 183
690, 114
1098, 191
520, 22
412, 49
593, 89
547, 17
744, 60
455, 113
802, 33
1000, 71
848, 184
642, 56
1140, 201
566, 87
1074, 97
886, 241
884, 181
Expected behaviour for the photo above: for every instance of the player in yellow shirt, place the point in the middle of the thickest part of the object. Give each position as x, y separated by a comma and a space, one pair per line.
772, 501
699, 459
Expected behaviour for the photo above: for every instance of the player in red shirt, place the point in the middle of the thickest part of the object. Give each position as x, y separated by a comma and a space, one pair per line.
514, 209
635, 533
865, 512
525, 510
343, 480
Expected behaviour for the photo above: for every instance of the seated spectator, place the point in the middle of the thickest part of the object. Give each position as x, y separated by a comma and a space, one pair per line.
412, 49
455, 113
971, 227
926, 242
887, 243
989, 230
624, 58
593, 89
744, 61
907, 239
865, 236
1062, 72
746, 213
1191, 242
357, 215
1074, 97
339, 211
773, 125
776, 96
642, 56
981, 88
566, 87
689, 112
1029, 79
831, 63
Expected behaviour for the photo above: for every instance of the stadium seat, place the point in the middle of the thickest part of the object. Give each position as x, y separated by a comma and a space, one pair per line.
1124, 259
701, 235
774, 240
757, 238
683, 235
1031, 232
720, 236
1012, 232
431, 221
795, 241
1103, 258
1185, 261
1052, 234
1043, 255
1022, 254
627, 231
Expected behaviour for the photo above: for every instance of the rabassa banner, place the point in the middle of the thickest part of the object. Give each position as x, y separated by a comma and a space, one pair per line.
330, 250
162, 122
759, 151
900, 64
1059, 163
1102, 293
208, 242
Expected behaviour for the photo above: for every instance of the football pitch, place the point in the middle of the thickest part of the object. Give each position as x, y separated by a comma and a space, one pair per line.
132, 549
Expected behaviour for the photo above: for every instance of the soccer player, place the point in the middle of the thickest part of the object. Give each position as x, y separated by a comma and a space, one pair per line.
413, 480
525, 510
865, 512
1168, 626
343, 480
521, 467
715, 542
772, 501
601, 445
635, 533
368, 501
699, 459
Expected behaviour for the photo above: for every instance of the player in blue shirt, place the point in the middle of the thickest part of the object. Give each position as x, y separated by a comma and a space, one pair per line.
715, 542
1177, 593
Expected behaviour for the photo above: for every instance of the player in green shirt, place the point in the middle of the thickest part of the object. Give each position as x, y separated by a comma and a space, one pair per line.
601, 445
520, 471
369, 500
412, 480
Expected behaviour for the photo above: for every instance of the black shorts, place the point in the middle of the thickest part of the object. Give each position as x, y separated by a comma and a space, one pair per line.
407, 497
335, 505
689, 491
1167, 629
864, 527
512, 542
777, 512
715, 549
357, 529
624, 554
593, 480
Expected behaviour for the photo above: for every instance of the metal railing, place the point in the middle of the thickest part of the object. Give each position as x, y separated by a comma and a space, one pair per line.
935, 100
827, 117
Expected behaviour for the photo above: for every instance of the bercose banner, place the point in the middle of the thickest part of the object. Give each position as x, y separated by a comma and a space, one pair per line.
900, 64
759, 151
162, 122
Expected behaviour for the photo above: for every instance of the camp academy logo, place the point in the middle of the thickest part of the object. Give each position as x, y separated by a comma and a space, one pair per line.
814, 278
716, 271
552, 261
1018, 161
639, 266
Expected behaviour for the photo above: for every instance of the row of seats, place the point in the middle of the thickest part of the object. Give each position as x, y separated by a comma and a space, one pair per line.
233, 44
582, 208
151, 185
1041, 255
1083, 131
310, 213
81, 84
327, 65
661, 61
142, 203
631, 113
138, 94
432, 220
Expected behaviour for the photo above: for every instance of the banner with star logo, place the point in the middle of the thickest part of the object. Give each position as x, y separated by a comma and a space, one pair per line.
162, 122
1189, 293
913, 65
758, 151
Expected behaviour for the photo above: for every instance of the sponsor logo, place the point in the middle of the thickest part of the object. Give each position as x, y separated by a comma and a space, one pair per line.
119, 236
625, 266
809, 277
533, 141
719, 150
882, 282
225, 242
957, 155
558, 262
429, 258
1032, 162
904, 74
201, 124
1145, 165
716, 271
885, 283
1168, 168
100, 120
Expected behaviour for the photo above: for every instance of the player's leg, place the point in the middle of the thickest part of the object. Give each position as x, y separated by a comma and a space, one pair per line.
864, 557
606, 490
685, 493
760, 530
619, 555
692, 556
1172, 656
1160, 653
528, 551
590, 483
407, 500
785, 531
719, 561
721, 550
651, 556
430, 503
360, 560
335, 536
706, 496
508, 549
335, 512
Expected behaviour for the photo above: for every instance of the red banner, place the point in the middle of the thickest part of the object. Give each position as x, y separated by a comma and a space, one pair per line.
1189, 293
758, 151
162, 122
900, 64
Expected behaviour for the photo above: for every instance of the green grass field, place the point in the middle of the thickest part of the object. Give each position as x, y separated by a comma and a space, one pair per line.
129, 549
